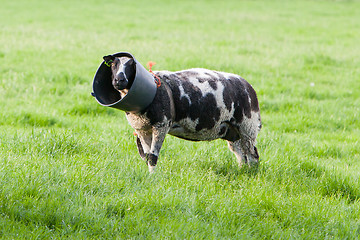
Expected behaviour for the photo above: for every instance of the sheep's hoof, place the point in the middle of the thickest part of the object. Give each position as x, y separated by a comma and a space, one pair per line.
151, 169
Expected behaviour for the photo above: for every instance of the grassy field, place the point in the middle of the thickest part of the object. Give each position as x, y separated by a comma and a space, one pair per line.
69, 168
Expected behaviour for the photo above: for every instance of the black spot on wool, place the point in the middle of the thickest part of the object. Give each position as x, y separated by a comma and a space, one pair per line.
200, 107
211, 81
181, 104
160, 107
207, 107
236, 93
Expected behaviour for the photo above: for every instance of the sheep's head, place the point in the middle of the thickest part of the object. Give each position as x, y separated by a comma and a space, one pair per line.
123, 71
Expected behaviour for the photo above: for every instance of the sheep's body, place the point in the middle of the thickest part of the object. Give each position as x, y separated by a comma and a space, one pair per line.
197, 105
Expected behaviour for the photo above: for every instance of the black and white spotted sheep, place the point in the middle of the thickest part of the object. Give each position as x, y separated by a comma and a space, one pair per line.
199, 105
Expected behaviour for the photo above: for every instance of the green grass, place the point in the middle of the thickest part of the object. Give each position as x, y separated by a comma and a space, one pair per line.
69, 168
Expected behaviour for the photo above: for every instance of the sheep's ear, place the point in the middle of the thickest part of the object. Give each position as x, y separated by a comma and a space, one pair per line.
108, 59
130, 62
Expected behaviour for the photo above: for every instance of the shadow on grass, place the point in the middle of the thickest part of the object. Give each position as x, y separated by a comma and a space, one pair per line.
245, 170
232, 170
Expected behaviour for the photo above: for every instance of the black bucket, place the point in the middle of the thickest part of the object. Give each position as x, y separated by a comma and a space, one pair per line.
139, 96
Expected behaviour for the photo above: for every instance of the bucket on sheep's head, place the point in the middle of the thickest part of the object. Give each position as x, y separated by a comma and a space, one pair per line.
139, 96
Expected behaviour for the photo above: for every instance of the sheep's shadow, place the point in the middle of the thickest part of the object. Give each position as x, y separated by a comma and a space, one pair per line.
229, 169
238, 171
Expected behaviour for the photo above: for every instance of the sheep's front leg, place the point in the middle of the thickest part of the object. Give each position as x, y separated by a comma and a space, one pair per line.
140, 148
143, 142
158, 136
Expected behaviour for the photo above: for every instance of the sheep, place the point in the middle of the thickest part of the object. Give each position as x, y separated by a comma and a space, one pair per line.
194, 104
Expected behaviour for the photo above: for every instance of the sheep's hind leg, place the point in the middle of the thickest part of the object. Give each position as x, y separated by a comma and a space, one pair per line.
235, 148
245, 152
